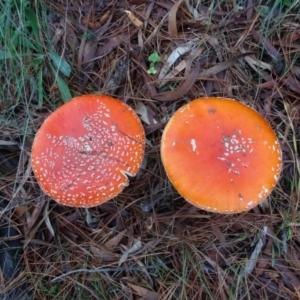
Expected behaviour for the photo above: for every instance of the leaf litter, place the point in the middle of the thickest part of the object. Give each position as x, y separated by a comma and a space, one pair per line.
148, 243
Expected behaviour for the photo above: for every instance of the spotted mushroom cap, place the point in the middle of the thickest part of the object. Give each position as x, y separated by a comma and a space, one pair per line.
83, 152
221, 155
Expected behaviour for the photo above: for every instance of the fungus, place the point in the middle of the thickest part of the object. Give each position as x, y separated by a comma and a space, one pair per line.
221, 155
84, 151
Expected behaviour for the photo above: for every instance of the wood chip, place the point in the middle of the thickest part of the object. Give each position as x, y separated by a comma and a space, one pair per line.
133, 18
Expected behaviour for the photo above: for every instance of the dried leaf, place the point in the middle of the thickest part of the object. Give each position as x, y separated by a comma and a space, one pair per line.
135, 247
179, 51
222, 66
292, 83
151, 296
198, 16
88, 55
218, 233
118, 75
289, 278
47, 220
140, 291
254, 256
35, 215
145, 114
181, 66
253, 62
292, 255
104, 28
273, 52
109, 46
24, 177
172, 22
183, 88
102, 255
114, 242
9, 248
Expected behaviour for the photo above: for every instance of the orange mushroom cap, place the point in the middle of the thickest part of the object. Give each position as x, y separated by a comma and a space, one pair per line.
83, 152
221, 155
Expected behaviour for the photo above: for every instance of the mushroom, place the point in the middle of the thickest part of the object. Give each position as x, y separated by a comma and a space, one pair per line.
84, 151
221, 155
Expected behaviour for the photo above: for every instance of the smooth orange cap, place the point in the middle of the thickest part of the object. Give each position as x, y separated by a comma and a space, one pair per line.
221, 155
83, 152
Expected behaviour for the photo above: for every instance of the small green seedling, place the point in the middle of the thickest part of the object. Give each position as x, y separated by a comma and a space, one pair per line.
287, 3
87, 36
153, 59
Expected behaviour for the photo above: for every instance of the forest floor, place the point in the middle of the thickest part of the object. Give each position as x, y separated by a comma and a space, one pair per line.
148, 242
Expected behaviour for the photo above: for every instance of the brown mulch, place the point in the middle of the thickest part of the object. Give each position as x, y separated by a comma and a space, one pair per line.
149, 243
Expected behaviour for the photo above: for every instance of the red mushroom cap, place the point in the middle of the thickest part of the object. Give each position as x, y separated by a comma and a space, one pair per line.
83, 152
221, 155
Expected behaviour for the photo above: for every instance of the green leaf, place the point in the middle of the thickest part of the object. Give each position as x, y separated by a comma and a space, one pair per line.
61, 64
4, 55
19, 39
40, 89
264, 10
152, 70
32, 21
154, 57
87, 36
63, 88
37, 60
20, 4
